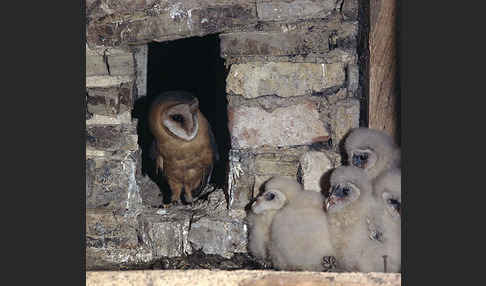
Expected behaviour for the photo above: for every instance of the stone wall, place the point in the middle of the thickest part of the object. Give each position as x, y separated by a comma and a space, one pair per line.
292, 92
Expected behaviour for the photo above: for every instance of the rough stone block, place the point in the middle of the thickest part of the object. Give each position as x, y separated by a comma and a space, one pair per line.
262, 43
111, 184
291, 40
345, 117
334, 75
107, 81
293, 10
353, 77
217, 230
111, 137
256, 79
116, 258
314, 166
286, 126
168, 20
106, 229
278, 164
141, 61
350, 10
102, 61
166, 231
110, 100
122, 118
216, 236
240, 181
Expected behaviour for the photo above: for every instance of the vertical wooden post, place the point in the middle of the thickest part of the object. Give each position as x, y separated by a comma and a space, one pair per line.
382, 109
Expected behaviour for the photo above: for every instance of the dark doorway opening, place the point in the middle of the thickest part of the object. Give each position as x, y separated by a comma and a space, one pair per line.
194, 65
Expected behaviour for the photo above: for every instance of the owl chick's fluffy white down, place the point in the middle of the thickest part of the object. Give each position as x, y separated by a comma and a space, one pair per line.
288, 227
372, 150
387, 190
355, 216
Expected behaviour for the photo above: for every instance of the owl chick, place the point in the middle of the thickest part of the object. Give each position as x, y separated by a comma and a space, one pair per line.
184, 148
387, 190
289, 228
372, 150
355, 225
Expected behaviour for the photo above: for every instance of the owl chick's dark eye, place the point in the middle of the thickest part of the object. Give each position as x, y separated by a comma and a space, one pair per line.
341, 192
345, 191
177, 118
395, 204
360, 159
269, 196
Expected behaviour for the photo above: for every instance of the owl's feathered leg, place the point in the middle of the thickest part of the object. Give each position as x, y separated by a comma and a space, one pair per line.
176, 189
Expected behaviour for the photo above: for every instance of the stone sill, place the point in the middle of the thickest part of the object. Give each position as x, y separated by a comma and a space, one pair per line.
240, 278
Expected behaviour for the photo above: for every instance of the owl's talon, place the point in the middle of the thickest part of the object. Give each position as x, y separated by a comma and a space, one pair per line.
176, 202
328, 263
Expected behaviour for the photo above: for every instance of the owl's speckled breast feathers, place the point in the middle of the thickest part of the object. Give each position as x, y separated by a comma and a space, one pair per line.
184, 147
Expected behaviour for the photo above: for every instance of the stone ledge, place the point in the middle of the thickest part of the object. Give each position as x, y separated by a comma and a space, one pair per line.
239, 277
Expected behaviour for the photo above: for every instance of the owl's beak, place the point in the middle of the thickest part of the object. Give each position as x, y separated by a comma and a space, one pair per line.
329, 202
330, 199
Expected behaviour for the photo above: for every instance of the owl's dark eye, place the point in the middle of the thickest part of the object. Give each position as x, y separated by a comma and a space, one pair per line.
269, 196
177, 118
360, 159
395, 204
341, 192
345, 191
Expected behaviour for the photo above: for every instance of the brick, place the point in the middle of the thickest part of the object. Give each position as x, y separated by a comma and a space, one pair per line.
256, 79
282, 10
286, 126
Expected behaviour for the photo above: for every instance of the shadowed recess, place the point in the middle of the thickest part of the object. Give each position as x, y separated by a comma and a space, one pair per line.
194, 65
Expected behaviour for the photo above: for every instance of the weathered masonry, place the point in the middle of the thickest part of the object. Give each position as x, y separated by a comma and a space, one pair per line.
287, 91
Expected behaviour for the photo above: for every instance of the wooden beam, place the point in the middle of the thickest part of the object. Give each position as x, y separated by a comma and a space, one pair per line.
382, 109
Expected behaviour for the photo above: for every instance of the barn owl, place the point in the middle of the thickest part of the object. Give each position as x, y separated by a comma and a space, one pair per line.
372, 150
289, 228
357, 230
184, 147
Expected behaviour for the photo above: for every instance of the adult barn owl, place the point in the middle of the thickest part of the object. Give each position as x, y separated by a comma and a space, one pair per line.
184, 147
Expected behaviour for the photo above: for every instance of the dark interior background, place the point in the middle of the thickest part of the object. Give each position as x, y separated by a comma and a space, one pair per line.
191, 64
